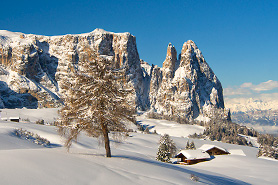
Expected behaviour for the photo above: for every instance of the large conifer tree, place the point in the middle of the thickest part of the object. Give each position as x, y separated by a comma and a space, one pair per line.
166, 149
95, 101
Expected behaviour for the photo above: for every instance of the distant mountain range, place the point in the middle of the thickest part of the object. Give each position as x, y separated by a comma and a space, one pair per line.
255, 111
33, 67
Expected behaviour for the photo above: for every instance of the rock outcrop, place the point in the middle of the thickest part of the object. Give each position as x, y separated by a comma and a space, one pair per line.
185, 87
36, 65
33, 68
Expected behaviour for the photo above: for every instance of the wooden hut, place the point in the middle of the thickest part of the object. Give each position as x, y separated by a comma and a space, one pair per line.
192, 156
14, 119
214, 150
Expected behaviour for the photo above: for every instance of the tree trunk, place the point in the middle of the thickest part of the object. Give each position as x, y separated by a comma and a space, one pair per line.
106, 140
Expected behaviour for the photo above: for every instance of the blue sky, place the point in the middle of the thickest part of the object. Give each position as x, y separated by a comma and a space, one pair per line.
238, 38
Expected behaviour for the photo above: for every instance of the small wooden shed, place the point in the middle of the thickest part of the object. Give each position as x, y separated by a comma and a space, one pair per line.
192, 156
214, 150
14, 119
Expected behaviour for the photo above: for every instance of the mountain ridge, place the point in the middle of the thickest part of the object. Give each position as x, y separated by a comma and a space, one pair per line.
35, 65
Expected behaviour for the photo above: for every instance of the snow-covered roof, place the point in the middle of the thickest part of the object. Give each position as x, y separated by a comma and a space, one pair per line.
14, 118
194, 154
207, 147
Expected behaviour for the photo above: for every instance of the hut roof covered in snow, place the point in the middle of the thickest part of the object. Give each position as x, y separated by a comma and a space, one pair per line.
207, 147
194, 154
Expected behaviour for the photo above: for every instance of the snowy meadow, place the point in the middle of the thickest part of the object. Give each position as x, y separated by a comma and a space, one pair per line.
133, 160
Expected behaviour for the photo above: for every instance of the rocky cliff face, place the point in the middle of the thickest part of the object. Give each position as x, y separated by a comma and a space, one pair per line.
33, 68
185, 87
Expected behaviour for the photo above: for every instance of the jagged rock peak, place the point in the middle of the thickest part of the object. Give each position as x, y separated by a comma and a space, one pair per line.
170, 61
171, 55
190, 47
190, 54
185, 88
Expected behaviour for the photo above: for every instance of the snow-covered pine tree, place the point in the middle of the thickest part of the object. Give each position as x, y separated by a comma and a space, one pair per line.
192, 146
166, 149
187, 145
95, 101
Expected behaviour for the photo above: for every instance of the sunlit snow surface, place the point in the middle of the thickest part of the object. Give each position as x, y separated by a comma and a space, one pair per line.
170, 127
133, 161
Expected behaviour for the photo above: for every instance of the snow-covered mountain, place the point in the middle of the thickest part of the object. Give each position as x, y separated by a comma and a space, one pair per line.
36, 65
186, 87
33, 67
251, 104
260, 111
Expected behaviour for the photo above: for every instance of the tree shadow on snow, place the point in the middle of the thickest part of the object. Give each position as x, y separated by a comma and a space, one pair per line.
144, 126
208, 179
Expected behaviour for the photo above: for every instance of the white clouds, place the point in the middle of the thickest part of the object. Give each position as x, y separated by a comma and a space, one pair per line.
236, 91
265, 86
246, 85
251, 89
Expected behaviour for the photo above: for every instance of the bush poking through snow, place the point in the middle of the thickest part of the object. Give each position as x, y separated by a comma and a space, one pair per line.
40, 122
194, 178
26, 119
147, 130
143, 128
178, 119
35, 138
197, 136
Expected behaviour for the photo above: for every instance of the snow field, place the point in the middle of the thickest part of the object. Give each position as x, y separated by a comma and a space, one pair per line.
170, 127
133, 161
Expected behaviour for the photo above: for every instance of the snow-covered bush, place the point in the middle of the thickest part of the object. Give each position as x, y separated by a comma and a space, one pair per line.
40, 122
181, 120
143, 128
268, 146
147, 130
167, 148
268, 151
194, 178
26, 119
197, 136
30, 136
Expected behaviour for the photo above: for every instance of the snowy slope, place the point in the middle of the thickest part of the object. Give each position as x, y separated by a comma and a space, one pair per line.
133, 161
169, 127
48, 115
